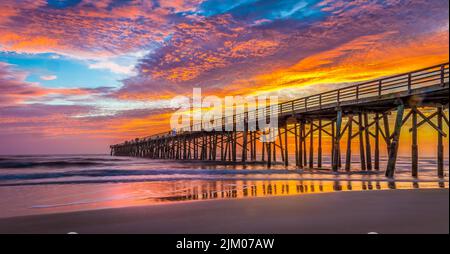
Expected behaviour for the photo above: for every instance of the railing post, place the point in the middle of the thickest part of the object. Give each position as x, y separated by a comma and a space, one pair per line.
339, 97
357, 93
292, 107
409, 83
379, 88
320, 101
442, 74
306, 104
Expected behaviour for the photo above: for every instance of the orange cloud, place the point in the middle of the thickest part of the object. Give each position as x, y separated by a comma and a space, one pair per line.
364, 58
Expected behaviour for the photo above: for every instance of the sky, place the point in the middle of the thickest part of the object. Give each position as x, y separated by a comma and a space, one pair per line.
79, 75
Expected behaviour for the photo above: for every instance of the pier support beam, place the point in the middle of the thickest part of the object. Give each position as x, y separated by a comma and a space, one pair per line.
305, 161
377, 142
361, 142
393, 148
234, 148
319, 148
414, 149
333, 135
348, 159
263, 150
387, 132
296, 145
244, 140
286, 153
300, 146
222, 144
440, 148
311, 144
367, 137
335, 164
255, 138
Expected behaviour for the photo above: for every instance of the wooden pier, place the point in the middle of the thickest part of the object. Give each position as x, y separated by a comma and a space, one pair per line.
357, 112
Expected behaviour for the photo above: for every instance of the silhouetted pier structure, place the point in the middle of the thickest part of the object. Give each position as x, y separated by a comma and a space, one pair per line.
358, 111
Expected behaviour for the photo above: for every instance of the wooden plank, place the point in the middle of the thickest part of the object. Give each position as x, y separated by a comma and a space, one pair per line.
361, 143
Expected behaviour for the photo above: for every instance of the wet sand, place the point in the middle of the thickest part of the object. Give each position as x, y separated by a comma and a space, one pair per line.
390, 211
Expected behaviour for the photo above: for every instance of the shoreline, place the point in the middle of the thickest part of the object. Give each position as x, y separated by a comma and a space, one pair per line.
383, 211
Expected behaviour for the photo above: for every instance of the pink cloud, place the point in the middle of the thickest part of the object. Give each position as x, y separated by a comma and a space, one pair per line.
218, 52
89, 29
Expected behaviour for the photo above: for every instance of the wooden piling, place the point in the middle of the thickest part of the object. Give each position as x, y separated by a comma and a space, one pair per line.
377, 142
263, 149
269, 154
222, 146
305, 161
414, 149
311, 144
275, 150
440, 148
286, 153
387, 132
319, 147
254, 145
333, 135
296, 145
244, 141
281, 145
335, 164
367, 138
348, 158
393, 149
234, 146
361, 142
249, 156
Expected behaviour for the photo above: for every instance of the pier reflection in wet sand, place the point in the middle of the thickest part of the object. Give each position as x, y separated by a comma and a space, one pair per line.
43, 199
247, 189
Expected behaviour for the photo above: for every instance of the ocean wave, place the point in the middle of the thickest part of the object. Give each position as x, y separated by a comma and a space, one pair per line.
159, 172
26, 170
49, 164
441, 182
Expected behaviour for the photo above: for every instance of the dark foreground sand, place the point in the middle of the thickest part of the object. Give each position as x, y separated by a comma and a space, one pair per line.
392, 211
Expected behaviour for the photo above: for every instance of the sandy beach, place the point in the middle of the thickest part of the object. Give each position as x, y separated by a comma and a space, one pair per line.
390, 211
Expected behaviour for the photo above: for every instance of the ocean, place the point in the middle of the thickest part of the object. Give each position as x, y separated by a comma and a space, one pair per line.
65, 183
